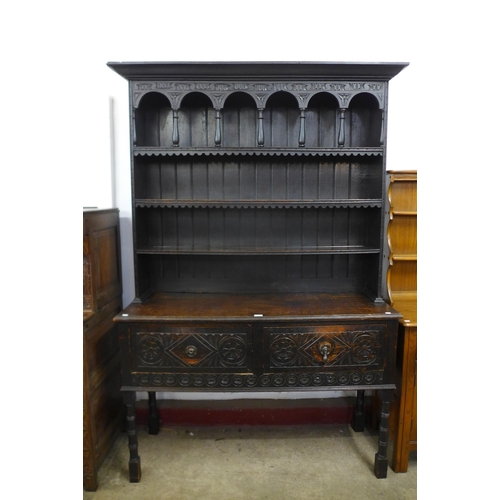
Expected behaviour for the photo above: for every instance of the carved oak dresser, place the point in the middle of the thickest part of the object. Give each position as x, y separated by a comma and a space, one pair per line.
258, 198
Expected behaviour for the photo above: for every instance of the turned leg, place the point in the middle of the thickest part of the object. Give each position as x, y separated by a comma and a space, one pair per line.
358, 418
381, 461
134, 463
154, 417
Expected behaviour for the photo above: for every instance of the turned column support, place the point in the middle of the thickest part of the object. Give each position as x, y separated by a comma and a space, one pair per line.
302, 130
341, 140
218, 128
381, 461
134, 464
260, 127
134, 129
154, 417
382, 127
358, 418
175, 127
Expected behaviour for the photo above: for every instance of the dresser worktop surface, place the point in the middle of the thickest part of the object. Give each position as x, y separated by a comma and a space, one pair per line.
254, 306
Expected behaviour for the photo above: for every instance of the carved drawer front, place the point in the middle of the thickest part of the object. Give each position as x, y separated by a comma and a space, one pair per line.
326, 355
191, 349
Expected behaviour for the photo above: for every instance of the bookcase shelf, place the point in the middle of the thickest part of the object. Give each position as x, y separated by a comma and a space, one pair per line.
161, 203
236, 151
248, 250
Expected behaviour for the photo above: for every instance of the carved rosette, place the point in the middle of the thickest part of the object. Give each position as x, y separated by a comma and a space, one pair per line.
150, 350
283, 351
232, 350
365, 348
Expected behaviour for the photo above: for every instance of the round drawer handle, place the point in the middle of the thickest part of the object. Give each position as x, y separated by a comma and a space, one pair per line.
191, 351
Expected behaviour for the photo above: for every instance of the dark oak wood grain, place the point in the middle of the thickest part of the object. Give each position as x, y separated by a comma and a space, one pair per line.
102, 405
258, 214
261, 307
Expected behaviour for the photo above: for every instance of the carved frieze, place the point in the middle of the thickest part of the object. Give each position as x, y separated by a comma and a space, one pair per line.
267, 380
260, 91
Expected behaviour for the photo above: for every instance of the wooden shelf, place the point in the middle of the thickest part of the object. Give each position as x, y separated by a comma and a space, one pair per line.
406, 212
401, 257
160, 203
220, 151
248, 250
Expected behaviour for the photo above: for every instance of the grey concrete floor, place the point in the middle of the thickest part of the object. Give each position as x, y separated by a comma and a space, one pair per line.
292, 463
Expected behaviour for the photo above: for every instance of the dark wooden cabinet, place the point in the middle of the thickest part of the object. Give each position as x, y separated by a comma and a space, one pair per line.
258, 217
102, 301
